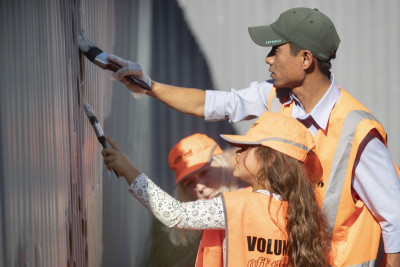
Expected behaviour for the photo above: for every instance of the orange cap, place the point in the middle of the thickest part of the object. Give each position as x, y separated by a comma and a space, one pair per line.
192, 153
284, 134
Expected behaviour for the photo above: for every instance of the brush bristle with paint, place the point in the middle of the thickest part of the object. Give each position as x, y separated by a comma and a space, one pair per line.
99, 58
96, 126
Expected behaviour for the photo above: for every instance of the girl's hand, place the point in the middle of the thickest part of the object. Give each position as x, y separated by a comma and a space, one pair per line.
115, 158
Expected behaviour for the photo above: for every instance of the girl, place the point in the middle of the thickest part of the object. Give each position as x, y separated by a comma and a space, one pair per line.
277, 224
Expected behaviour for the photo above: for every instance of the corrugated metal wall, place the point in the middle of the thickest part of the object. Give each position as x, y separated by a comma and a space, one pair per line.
58, 205
36, 134
367, 62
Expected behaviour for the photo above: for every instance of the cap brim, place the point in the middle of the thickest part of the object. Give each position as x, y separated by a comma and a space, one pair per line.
239, 140
198, 163
265, 36
288, 148
188, 171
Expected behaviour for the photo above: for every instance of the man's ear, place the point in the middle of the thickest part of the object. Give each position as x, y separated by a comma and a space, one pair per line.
308, 59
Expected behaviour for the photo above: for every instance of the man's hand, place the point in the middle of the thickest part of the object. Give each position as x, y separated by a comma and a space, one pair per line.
115, 158
129, 68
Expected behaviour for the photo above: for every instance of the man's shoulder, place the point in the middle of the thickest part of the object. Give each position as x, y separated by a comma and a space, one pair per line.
353, 111
349, 101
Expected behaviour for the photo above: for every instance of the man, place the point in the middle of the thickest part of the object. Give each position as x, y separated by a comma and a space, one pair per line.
360, 189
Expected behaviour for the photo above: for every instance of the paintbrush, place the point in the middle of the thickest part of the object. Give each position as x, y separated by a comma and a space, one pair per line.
97, 127
99, 58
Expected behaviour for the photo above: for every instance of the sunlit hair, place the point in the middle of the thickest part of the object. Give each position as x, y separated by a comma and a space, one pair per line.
286, 176
228, 183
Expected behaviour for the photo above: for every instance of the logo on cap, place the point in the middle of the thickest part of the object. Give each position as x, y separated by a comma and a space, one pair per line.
182, 156
273, 41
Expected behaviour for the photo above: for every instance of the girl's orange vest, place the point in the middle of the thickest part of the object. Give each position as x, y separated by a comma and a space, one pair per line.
255, 233
356, 236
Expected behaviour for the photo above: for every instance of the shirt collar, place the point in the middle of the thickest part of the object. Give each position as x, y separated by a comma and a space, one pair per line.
322, 110
266, 192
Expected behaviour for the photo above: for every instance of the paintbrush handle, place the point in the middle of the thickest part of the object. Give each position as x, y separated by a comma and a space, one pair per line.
103, 143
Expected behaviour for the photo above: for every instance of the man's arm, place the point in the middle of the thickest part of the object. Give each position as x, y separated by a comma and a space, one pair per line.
186, 100
393, 259
378, 186
235, 105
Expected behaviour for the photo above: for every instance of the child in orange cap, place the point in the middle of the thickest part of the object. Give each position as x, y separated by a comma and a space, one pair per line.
202, 170
277, 224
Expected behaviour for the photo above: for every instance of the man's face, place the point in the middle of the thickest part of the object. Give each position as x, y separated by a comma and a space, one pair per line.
286, 69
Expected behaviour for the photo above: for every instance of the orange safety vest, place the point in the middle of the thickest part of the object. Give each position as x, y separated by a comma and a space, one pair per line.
255, 233
356, 236
210, 250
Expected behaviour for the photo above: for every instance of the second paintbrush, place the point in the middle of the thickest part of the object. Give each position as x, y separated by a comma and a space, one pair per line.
96, 126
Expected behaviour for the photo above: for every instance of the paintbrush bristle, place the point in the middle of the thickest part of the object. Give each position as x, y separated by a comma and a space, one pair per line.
83, 42
89, 50
89, 111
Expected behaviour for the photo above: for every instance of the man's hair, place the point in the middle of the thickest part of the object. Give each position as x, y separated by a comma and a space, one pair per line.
323, 66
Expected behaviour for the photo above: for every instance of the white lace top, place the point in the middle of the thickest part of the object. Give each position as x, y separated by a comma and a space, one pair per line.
199, 214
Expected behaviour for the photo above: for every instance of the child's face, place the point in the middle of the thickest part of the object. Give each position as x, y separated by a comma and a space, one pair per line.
247, 165
204, 183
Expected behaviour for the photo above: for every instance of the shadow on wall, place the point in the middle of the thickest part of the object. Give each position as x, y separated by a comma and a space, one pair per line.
177, 59
3, 243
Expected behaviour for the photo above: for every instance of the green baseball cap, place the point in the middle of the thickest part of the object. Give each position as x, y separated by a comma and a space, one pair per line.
307, 28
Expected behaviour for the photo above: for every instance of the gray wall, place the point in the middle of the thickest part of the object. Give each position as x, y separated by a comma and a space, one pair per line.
58, 204
367, 62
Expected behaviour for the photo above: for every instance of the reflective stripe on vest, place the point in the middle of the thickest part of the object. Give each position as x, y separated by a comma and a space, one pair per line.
339, 164
275, 102
372, 263
276, 105
280, 140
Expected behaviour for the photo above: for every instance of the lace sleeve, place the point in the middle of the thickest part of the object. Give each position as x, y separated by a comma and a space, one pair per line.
200, 214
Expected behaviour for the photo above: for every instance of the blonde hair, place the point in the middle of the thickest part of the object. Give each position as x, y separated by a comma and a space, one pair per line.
228, 183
